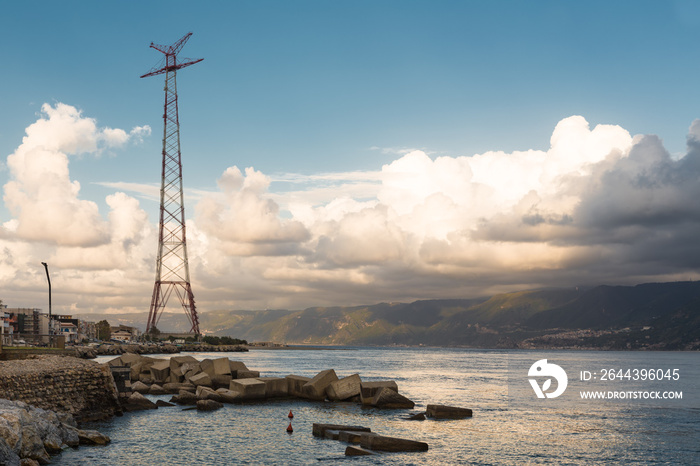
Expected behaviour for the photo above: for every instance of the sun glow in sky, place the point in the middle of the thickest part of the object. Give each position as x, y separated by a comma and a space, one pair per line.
340, 153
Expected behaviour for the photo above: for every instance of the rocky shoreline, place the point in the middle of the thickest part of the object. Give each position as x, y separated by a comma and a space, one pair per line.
110, 349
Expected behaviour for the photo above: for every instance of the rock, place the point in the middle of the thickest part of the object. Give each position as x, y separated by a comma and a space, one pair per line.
156, 390
248, 389
28, 462
221, 366
192, 368
7, 455
275, 387
416, 417
129, 359
92, 437
319, 430
387, 398
145, 378
201, 379
163, 404
160, 372
137, 402
382, 443
352, 450
206, 393
315, 388
295, 383
178, 361
344, 388
247, 374
369, 389
135, 371
208, 405
31, 445
140, 387
447, 412
116, 362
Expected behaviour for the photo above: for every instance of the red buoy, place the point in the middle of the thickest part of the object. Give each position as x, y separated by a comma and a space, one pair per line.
289, 428
290, 416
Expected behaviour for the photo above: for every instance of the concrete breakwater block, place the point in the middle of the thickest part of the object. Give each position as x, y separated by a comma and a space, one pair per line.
315, 389
275, 387
140, 387
137, 402
369, 389
353, 450
176, 387
201, 379
248, 389
387, 398
382, 443
344, 388
160, 372
447, 412
295, 383
247, 374
319, 430
235, 366
228, 396
208, 405
349, 436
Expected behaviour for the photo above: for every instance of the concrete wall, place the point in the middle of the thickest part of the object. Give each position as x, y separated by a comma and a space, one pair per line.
82, 388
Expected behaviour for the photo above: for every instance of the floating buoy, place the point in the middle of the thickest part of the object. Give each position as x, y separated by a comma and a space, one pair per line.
290, 416
289, 428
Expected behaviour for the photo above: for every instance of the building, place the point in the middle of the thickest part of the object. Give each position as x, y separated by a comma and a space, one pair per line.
70, 331
125, 333
27, 321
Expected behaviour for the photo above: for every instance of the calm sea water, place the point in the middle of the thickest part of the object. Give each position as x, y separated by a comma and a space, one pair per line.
510, 424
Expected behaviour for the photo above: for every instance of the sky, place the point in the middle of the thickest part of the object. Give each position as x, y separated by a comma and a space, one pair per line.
349, 152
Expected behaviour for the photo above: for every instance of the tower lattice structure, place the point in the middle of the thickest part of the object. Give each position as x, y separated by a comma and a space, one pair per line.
172, 269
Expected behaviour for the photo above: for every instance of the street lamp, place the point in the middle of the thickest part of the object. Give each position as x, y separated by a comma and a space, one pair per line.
46, 267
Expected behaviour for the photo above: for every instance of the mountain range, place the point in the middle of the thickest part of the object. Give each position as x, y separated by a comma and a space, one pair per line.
647, 316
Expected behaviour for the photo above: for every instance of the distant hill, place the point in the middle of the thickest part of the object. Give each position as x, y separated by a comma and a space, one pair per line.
648, 316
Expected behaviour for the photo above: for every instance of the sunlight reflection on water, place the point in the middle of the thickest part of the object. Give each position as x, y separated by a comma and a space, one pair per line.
501, 431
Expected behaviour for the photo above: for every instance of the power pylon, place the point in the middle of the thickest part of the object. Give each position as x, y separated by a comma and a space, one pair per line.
172, 269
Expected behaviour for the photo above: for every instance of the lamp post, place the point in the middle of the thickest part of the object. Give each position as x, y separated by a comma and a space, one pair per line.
46, 267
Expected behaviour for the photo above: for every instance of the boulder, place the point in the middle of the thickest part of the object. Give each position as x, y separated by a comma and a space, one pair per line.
92, 437
221, 366
369, 389
145, 378
315, 389
160, 372
275, 387
416, 417
206, 393
163, 404
235, 366
295, 383
387, 398
201, 379
382, 443
345, 388
178, 361
447, 412
248, 389
140, 387
208, 405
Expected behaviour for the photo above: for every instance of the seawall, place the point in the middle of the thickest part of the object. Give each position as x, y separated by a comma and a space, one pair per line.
81, 388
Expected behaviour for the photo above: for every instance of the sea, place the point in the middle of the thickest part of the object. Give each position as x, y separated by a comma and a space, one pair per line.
650, 413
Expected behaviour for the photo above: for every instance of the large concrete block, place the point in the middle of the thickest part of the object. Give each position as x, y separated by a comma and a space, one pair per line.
247, 374
447, 412
221, 366
248, 389
345, 388
207, 366
295, 383
130, 358
382, 443
135, 371
386, 398
369, 389
176, 387
315, 388
235, 366
319, 430
160, 372
192, 367
275, 387
221, 380
201, 379
228, 396
178, 361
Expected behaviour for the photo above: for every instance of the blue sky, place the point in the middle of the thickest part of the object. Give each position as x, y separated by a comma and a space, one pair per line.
300, 90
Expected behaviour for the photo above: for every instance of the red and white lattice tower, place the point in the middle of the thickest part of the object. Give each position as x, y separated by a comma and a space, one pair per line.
172, 269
